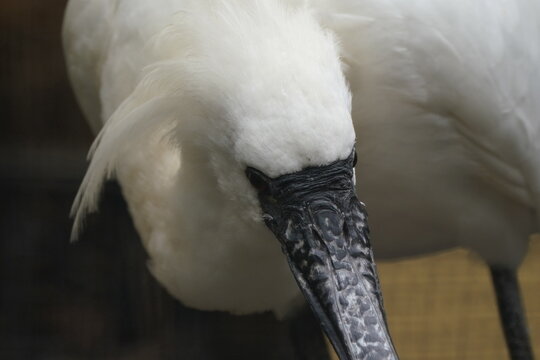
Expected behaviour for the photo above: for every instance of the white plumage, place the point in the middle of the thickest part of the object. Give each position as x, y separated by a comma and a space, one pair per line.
444, 103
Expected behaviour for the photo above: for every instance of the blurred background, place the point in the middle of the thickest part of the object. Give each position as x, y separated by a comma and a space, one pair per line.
95, 299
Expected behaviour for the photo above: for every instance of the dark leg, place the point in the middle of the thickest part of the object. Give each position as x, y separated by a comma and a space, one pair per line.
307, 337
511, 312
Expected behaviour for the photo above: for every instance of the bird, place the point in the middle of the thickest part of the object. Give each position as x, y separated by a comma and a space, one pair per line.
244, 134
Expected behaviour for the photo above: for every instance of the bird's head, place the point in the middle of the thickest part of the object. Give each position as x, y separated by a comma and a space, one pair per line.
260, 86
265, 87
281, 112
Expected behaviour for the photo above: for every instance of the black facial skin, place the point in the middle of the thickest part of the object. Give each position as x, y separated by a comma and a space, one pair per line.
322, 228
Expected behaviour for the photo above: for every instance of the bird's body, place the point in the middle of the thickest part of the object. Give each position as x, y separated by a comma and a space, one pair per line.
443, 104
444, 107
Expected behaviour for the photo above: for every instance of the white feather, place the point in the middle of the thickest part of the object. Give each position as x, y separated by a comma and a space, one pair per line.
444, 105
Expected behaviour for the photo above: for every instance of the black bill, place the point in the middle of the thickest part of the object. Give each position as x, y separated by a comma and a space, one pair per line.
323, 231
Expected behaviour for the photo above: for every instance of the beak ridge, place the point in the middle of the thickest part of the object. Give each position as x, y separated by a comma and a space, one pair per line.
330, 256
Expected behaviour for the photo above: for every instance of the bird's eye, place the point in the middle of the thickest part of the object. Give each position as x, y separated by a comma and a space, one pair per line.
355, 159
259, 181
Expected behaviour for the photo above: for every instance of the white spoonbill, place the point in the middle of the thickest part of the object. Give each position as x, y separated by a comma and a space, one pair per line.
232, 123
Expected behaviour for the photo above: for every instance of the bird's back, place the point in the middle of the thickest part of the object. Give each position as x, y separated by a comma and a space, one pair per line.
446, 110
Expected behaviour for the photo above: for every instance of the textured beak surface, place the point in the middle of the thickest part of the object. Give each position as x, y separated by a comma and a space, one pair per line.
323, 231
